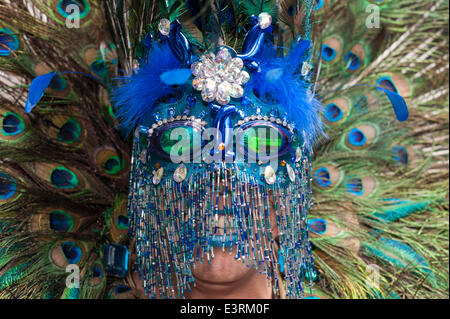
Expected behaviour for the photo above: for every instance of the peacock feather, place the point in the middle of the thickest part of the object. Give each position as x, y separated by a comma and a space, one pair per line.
380, 187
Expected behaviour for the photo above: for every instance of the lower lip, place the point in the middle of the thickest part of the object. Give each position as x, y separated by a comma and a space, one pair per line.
220, 241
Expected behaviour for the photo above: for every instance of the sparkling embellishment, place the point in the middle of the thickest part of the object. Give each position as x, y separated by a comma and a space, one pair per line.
180, 173
269, 175
298, 154
264, 20
197, 84
306, 68
221, 146
164, 27
157, 176
290, 172
219, 77
191, 100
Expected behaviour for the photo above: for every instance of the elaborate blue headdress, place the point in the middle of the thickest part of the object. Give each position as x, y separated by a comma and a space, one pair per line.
189, 192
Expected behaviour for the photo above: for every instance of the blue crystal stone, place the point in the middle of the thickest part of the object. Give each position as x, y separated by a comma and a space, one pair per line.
157, 116
171, 112
273, 112
115, 260
191, 100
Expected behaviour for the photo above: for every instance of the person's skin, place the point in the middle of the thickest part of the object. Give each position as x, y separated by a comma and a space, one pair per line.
226, 278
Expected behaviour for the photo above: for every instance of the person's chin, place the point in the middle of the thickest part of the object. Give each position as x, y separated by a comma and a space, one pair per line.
223, 268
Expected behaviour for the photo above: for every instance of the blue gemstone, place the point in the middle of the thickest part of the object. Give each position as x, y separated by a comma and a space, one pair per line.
191, 100
273, 112
157, 116
115, 260
171, 112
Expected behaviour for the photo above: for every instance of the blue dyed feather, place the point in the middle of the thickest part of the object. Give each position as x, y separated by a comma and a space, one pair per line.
136, 94
279, 78
37, 89
398, 103
176, 77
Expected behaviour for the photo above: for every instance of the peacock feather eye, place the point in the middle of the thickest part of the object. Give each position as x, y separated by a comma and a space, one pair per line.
100, 68
355, 59
387, 83
328, 53
122, 222
110, 161
361, 186
97, 272
352, 61
65, 7
8, 42
361, 137
72, 252
58, 83
354, 185
7, 186
61, 221
333, 113
319, 4
322, 177
327, 176
113, 165
356, 137
63, 178
317, 225
331, 49
70, 131
12, 124
400, 154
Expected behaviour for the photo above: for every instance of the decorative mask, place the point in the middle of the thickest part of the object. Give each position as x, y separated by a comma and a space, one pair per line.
221, 140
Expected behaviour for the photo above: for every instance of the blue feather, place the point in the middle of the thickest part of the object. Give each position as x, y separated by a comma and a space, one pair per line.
398, 103
136, 94
290, 90
37, 89
274, 74
175, 77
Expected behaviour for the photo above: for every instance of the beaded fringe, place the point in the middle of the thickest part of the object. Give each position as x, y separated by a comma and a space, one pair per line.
174, 224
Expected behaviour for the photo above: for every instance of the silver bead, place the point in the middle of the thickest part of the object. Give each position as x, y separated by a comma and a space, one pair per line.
269, 175
264, 20
164, 27
298, 154
180, 173
290, 172
157, 176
